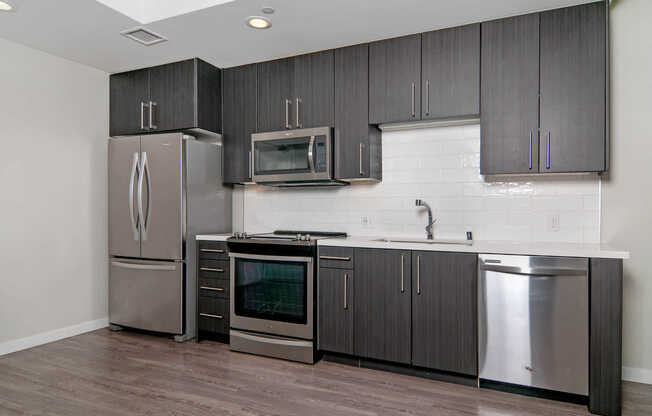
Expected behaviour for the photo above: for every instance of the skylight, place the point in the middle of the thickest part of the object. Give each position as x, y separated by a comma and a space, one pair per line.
147, 11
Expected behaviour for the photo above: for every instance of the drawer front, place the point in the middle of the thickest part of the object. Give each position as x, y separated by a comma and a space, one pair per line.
214, 288
213, 314
215, 250
214, 269
336, 257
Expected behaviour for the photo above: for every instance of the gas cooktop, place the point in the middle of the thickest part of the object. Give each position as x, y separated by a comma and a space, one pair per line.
291, 237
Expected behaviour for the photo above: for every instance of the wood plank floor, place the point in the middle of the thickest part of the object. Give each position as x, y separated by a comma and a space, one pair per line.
104, 373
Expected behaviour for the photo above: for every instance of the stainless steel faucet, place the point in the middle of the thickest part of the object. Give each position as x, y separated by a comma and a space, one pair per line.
431, 222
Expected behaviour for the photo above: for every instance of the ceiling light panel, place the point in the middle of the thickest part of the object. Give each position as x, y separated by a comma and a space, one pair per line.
258, 22
6, 6
147, 11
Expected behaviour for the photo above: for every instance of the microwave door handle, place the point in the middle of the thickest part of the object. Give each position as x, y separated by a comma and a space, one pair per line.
311, 156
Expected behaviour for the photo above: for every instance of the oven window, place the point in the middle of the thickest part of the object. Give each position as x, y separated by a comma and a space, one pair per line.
272, 290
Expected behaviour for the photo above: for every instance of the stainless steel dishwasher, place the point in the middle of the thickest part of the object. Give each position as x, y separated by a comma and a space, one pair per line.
533, 327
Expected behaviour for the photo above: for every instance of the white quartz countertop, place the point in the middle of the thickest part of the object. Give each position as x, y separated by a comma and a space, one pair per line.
489, 247
213, 237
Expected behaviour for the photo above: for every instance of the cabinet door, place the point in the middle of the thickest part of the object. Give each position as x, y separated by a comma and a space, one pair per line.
172, 92
394, 80
510, 95
444, 311
357, 144
382, 304
335, 320
450, 73
129, 93
275, 79
573, 89
313, 90
239, 89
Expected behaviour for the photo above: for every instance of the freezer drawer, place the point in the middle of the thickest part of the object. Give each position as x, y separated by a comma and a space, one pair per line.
534, 321
146, 294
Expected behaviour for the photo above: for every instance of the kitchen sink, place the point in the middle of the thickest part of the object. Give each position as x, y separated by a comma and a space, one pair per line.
426, 241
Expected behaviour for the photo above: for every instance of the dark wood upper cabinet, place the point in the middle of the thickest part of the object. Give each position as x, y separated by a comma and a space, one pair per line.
239, 103
313, 90
444, 311
129, 93
335, 310
510, 95
573, 89
358, 153
382, 304
177, 96
450, 73
275, 94
172, 91
395, 80
296, 92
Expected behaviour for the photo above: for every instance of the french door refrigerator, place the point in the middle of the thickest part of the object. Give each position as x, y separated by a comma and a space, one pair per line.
163, 190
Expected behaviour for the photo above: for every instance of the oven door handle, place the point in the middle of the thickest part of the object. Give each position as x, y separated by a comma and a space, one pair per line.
311, 155
273, 258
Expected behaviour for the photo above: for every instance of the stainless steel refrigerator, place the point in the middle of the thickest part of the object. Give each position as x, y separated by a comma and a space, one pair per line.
163, 190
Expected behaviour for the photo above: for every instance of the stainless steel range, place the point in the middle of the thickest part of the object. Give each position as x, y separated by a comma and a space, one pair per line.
273, 293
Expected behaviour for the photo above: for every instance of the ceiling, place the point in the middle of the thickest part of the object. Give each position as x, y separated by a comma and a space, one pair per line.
88, 31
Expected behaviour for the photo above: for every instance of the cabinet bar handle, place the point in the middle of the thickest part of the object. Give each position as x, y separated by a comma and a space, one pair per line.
413, 97
298, 122
361, 147
346, 284
216, 289
427, 98
402, 274
548, 153
418, 275
250, 166
142, 115
151, 111
208, 315
287, 114
211, 250
530, 150
335, 258
210, 269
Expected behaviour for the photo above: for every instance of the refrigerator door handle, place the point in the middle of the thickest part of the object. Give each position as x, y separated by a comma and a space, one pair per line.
144, 219
132, 179
143, 266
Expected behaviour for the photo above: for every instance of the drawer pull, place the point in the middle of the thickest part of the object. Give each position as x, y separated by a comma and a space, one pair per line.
208, 315
335, 258
211, 269
211, 250
217, 289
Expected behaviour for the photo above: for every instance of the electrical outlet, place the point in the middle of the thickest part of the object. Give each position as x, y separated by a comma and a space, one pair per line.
554, 222
364, 220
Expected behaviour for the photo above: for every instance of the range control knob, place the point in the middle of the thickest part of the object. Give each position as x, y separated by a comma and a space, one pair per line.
307, 237
298, 237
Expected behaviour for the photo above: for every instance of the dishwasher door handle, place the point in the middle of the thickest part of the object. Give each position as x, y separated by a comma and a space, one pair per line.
535, 271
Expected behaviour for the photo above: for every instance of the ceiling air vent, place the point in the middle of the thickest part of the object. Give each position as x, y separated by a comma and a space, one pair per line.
143, 36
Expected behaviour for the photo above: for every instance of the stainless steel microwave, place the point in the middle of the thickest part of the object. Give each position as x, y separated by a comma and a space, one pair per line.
293, 157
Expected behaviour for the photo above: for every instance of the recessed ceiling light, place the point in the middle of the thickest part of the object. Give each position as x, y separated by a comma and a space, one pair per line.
267, 10
258, 22
5, 6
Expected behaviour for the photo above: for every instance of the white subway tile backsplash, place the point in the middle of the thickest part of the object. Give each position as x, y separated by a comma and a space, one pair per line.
441, 166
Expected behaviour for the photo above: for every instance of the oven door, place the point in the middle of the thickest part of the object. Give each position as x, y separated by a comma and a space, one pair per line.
298, 155
272, 294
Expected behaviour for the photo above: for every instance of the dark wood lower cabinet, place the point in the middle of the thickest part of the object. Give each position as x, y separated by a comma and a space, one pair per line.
444, 311
213, 291
335, 310
605, 336
382, 290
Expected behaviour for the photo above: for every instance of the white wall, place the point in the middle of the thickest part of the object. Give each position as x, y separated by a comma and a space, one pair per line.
53, 197
441, 166
627, 193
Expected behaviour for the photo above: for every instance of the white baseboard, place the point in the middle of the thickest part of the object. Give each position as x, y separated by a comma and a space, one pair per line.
50, 336
638, 375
